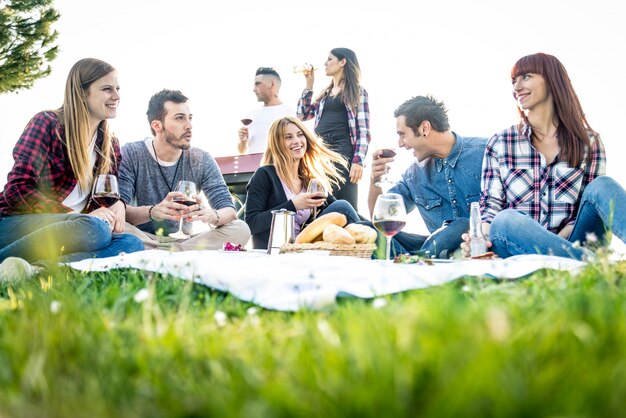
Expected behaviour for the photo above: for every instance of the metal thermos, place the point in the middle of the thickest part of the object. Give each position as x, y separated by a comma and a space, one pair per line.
281, 231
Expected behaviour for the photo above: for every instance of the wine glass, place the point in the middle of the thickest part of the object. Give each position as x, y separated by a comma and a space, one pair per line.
246, 121
389, 216
315, 186
189, 192
386, 153
105, 190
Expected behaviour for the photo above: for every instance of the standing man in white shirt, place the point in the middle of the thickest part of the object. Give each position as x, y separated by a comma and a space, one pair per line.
253, 137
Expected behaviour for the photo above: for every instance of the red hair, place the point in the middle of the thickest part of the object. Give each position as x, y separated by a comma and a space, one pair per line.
572, 130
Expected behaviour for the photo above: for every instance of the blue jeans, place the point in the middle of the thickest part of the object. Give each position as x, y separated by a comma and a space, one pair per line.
442, 243
602, 208
344, 207
61, 236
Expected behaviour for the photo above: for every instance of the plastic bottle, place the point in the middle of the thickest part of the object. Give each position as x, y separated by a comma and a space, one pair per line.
478, 242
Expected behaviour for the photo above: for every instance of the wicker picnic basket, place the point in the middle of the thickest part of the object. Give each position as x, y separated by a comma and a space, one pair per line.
350, 250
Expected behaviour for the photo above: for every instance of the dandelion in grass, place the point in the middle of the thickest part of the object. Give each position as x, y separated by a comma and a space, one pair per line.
328, 332
142, 295
220, 318
466, 288
498, 324
253, 317
55, 306
379, 303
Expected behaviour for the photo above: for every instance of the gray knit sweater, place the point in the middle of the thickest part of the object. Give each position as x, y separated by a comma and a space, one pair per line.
142, 184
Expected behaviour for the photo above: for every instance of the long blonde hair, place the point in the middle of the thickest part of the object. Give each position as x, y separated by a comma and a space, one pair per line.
74, 116
318, 162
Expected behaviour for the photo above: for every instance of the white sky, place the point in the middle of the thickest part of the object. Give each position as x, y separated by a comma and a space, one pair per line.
459, 51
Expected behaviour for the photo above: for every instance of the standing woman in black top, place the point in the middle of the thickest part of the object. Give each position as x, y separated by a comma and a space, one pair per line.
342, 117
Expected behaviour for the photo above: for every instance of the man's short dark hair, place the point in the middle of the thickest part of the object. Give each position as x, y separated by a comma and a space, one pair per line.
267, 71
156, 106
420, 108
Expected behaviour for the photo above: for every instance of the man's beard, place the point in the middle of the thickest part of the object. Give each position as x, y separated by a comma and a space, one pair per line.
175, 142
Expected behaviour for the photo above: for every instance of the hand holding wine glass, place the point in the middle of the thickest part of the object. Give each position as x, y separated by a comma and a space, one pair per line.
389, 216
243, 131
389, 152
187, 197
320, 193
105, 190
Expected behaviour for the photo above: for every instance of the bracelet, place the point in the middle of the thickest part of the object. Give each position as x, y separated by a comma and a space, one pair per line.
216, 224
150, 213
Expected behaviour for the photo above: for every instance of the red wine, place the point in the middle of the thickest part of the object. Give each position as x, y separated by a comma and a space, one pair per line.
389, 228
318, 197
246, 122
105, 199
185, 202
387, 153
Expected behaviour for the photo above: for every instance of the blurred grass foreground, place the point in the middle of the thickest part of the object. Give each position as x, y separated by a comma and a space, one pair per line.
132, 344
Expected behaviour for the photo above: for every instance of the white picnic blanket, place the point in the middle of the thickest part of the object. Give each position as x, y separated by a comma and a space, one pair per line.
289, 282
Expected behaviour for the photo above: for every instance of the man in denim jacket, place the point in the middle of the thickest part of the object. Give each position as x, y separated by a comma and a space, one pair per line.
443, 181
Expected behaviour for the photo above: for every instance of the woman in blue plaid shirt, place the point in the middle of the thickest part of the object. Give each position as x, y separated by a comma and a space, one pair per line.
544, 189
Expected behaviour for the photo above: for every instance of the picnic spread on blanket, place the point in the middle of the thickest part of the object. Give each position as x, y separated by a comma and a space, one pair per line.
314, 280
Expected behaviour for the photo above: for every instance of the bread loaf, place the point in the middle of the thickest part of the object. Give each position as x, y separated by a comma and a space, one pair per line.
316, 228
334, 234
362, 234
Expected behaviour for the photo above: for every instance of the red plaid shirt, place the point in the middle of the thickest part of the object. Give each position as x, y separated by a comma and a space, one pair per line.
515, 175
41, 177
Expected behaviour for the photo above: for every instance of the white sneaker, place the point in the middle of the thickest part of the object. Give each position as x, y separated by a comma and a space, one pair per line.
14, 269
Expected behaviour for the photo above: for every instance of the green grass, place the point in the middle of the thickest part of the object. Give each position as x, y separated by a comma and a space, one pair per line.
79, 345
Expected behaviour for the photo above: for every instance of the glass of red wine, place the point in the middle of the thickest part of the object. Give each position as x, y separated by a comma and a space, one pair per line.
389, 216
246, 134
188, 198
315, 186
105, 190
386, 153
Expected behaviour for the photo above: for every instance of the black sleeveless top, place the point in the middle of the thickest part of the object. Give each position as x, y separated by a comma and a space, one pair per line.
334, 119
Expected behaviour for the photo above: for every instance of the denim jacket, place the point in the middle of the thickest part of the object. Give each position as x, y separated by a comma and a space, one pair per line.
443, 188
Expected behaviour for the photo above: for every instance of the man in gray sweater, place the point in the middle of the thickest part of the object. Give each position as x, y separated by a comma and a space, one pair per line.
150, 171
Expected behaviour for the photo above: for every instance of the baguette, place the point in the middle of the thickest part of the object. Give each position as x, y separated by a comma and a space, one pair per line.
316, 228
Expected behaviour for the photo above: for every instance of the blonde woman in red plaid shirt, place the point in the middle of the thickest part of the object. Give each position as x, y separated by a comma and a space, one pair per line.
46, 212
544, 187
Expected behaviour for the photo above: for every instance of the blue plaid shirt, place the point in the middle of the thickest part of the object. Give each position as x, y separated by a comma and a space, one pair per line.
515, 175
358, 122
